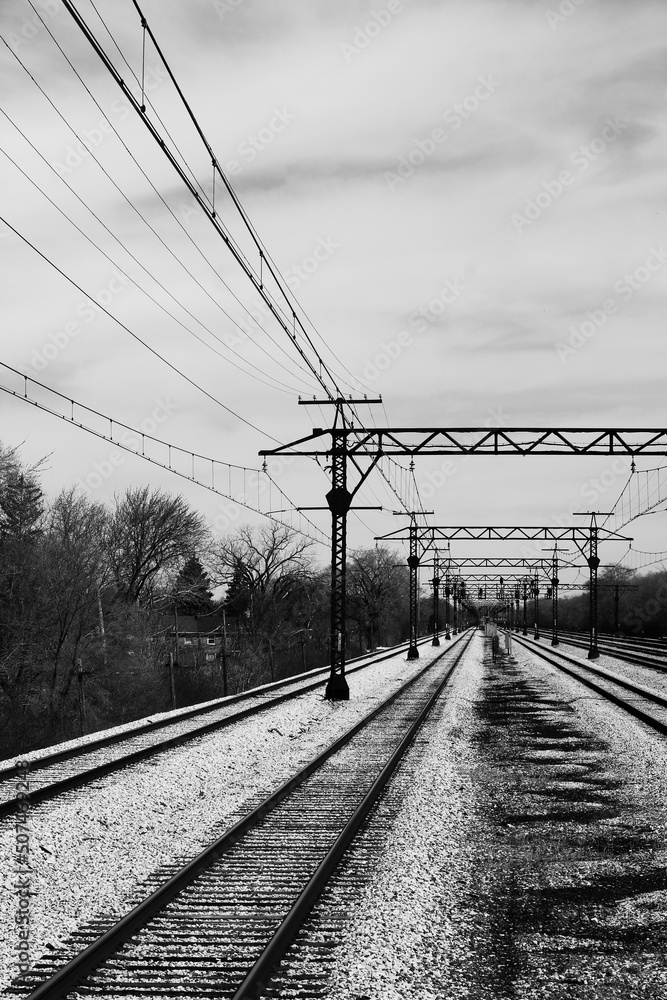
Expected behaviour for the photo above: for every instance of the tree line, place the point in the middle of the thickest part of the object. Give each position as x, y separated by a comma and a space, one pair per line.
93, 597
641, 609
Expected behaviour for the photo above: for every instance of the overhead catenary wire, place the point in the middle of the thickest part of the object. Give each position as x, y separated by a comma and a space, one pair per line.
215, 220
643, 492
290, 328
131, 204
175, 257
167, 453
263, 252
136, 336
234, 197
257, 282
280, 386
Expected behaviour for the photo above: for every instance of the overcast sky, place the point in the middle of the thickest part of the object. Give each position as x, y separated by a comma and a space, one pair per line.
466, 197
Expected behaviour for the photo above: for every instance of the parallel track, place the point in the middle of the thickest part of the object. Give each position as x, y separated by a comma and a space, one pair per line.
606, 684
65, 770
220, 924
657, 661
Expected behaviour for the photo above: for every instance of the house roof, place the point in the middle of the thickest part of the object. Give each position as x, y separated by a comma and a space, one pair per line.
199, 624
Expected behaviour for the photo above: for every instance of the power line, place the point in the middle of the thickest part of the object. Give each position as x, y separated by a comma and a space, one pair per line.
136, 336
264, 257
158, 195
179, 461
212, 216
279, 385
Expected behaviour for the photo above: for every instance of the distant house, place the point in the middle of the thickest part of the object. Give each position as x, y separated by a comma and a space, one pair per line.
198, 638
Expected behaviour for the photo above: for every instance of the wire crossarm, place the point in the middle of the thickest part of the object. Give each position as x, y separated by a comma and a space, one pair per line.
486, 533
413, 441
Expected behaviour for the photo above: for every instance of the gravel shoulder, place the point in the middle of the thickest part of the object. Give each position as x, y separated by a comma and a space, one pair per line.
529, 861
91, 850
650, 677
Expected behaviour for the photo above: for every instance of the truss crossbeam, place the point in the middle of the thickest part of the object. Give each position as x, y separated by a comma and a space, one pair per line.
394, 441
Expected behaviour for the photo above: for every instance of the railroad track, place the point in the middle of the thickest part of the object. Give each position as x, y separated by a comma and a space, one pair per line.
642, 645
657, 661
65, 770
220, 923
647, 705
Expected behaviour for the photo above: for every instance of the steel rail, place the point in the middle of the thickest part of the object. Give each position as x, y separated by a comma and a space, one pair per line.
82, 778
77, 969
255, 981
647, 693
609, 650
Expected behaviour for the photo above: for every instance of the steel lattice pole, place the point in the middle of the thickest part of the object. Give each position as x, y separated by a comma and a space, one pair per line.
447, 596
536, 596
554, 602
525, 609
413, 563
339, 500
436, 601
593, 563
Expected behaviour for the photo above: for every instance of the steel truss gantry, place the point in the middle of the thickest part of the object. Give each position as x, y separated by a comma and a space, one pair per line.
581, 536
412, 441
341, 443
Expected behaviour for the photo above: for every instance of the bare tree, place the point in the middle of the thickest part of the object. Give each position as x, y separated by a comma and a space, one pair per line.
73, 569
265, 570
376, 593
149, 531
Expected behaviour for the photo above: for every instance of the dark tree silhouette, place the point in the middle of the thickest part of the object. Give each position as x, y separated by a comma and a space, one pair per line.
149, 531
191, 593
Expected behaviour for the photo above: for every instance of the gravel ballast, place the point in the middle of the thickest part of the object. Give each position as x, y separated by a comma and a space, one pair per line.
90, 849
529, 860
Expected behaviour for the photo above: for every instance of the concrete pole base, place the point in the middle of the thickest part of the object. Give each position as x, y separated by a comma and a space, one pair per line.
337, 689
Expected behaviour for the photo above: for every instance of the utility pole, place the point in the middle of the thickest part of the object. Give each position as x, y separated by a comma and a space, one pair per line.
448, 588
593, 562
82, 696
175, 635
413, 563
223, 656
339, 501
436, 598
554, 593
593, 565
272, 669
525, 607
172, 684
